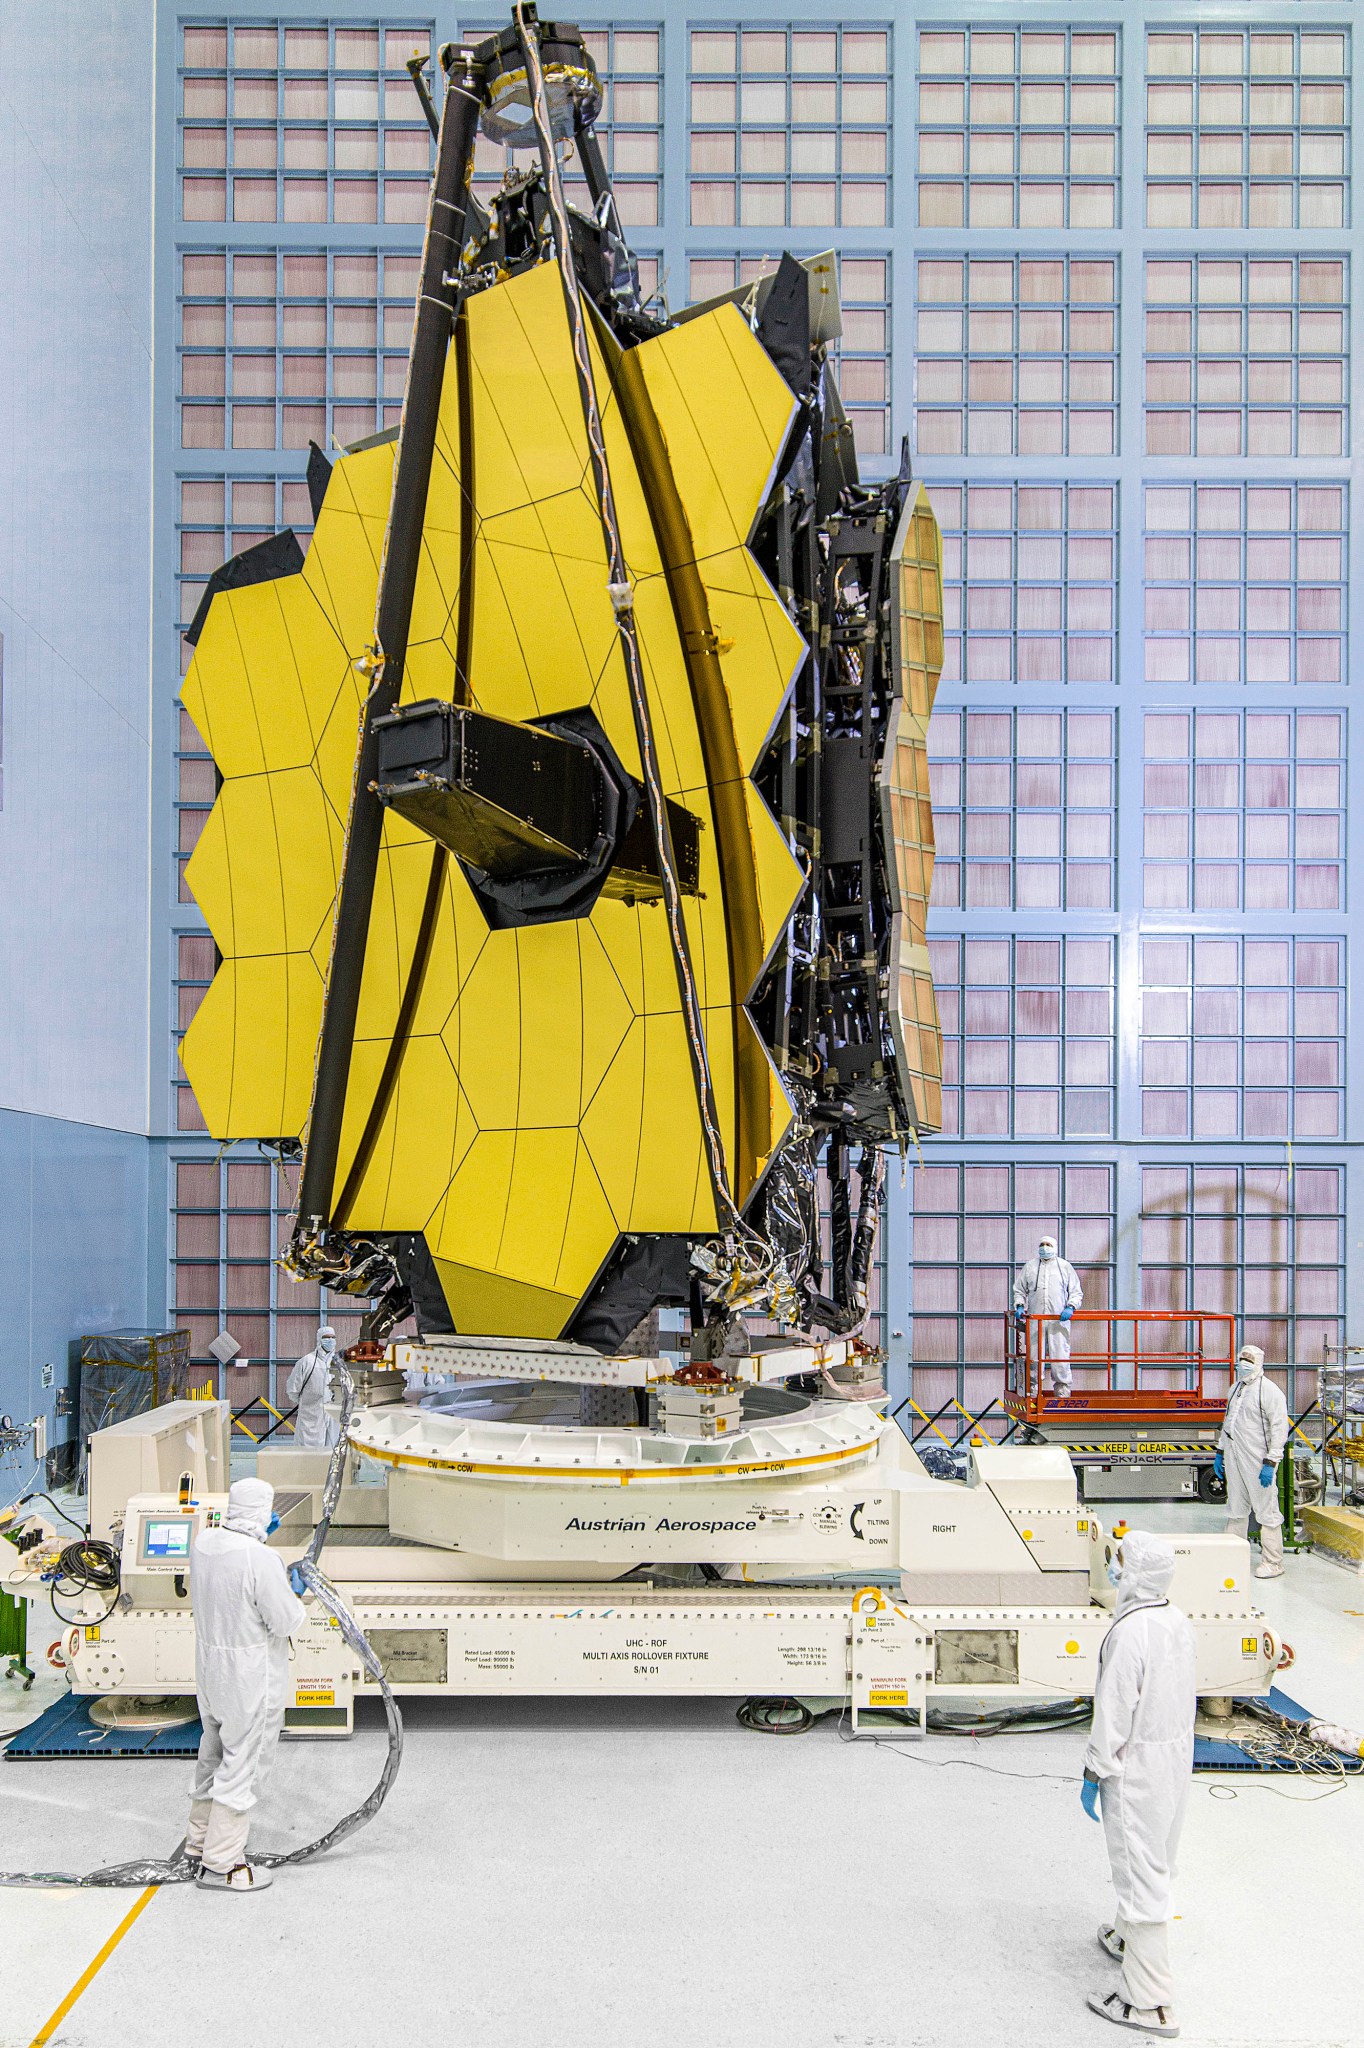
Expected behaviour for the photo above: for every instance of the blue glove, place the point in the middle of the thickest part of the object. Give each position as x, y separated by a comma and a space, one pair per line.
1266, 1474
1020, 1317
297, 1583
1089, 1797
1066, 1314
1219, 1466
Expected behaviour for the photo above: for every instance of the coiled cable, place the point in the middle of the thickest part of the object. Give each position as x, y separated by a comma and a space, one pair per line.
1279, 1744
178, 1868
775, 1716
86, 1567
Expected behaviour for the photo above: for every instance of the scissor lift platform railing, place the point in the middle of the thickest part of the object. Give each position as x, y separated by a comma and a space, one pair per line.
1137, 1367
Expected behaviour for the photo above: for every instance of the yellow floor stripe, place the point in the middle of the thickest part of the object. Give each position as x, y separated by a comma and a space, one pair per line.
84, 1981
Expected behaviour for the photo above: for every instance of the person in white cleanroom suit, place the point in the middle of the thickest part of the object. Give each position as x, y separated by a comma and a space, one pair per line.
244, 1614
1254, 1432
310, 1385
1138, 1765
1049, 1286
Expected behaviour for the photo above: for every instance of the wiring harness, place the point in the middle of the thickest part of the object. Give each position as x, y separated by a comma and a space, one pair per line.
1279, 1744
793, 1717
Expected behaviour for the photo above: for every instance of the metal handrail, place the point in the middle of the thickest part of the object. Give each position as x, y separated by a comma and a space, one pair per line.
1024, 1348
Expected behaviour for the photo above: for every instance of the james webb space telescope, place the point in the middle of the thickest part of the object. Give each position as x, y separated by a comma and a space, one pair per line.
569, 872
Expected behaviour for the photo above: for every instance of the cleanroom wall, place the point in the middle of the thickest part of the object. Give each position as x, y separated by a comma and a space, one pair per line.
1131, 293
1099, 273
75, 684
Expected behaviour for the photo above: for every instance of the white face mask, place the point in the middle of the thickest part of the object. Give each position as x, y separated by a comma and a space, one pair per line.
1114, 1572
1046, 1251
1247, 1369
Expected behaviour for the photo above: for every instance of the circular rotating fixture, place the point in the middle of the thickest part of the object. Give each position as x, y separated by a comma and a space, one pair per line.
143, 1711
818, 1437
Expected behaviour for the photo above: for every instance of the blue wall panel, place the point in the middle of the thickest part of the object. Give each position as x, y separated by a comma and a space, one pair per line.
73, 1255
75, 553
75, 732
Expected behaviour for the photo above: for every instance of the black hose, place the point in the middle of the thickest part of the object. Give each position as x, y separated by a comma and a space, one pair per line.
38, 1494
179, 1869
86, 1567
775, 1716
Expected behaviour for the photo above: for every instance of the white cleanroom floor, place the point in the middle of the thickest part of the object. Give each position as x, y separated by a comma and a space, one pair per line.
568, 1873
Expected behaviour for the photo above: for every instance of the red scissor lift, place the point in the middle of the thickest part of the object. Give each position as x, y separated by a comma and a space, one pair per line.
1148, 1390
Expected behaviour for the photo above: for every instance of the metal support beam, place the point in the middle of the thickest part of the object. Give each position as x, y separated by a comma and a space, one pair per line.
397, 584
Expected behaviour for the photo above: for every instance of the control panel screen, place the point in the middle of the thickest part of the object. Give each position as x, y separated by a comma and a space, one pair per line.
167, 1542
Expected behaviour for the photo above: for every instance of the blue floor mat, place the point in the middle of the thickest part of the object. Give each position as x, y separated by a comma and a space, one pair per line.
1212, 1755
65, 1729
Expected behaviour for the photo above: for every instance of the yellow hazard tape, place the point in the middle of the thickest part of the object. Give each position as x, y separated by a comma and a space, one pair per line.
931, 1424
1144, 1450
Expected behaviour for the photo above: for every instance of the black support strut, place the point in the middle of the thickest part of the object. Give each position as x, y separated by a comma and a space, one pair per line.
393, 616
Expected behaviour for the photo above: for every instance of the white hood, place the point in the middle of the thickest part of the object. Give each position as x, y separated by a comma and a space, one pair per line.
250, 1504
1148, 1567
